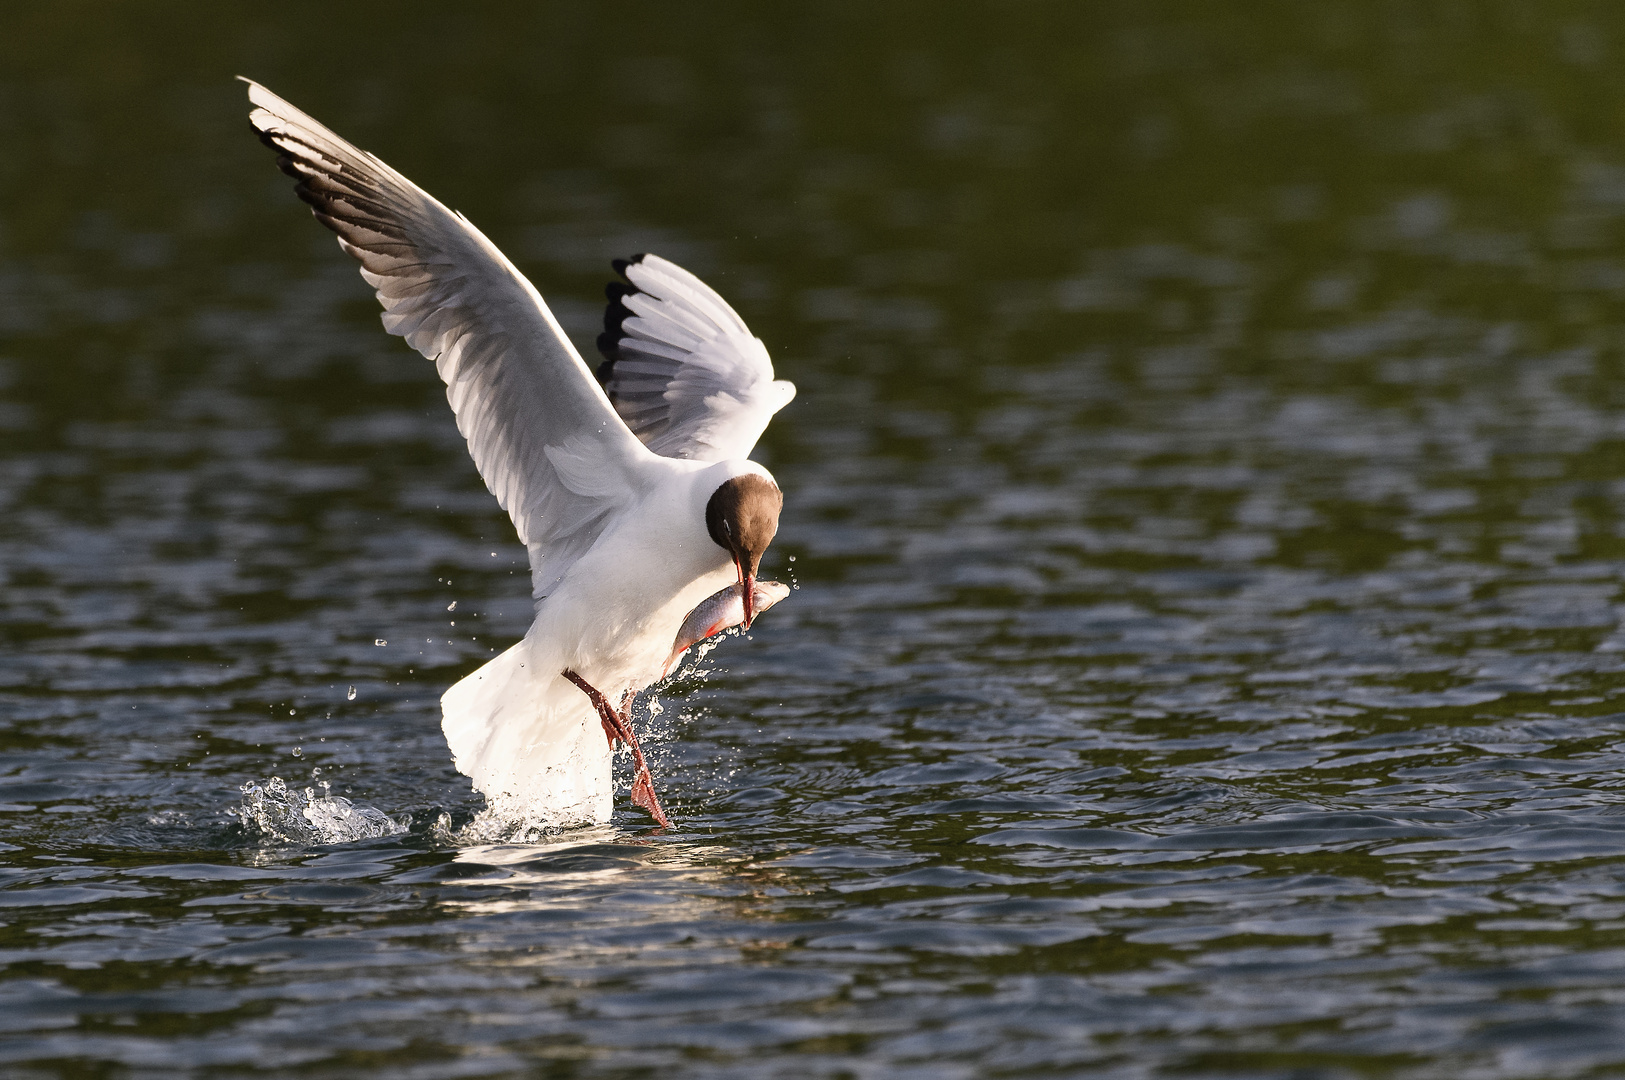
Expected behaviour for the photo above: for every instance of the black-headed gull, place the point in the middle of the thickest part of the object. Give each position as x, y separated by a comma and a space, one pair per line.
631, 490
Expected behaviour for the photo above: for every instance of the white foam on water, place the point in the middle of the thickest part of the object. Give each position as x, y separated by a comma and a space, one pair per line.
304, 817
521, 821
501, 826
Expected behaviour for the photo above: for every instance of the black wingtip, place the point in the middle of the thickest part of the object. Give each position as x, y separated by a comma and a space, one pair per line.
616, 312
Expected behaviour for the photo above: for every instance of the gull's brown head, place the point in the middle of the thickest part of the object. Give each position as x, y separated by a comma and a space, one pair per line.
742, 516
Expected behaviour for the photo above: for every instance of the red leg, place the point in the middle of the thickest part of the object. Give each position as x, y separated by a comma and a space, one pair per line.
606, 715
618, 725
643, 785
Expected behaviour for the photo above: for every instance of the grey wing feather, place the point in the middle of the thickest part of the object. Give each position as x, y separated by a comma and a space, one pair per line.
542, 432
681, 367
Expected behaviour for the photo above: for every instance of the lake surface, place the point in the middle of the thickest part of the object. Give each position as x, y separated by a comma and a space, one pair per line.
1206, 497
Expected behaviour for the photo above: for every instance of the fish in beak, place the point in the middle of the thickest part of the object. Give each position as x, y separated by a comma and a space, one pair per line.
722, 610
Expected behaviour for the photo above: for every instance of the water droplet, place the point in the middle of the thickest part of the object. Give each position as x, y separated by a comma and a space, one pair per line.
379, 641
299, 751
792, 558
293, 712
452, 606
351, 695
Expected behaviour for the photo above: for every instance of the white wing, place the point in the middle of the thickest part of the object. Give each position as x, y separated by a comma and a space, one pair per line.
681, 368
541, 430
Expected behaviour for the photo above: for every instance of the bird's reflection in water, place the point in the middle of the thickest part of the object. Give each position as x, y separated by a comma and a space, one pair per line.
581, 869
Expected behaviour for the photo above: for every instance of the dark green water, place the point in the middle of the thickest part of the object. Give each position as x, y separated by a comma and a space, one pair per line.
1207, 492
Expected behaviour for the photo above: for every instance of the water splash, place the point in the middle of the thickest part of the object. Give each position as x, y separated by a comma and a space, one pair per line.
304, 817
504, 824
506, 820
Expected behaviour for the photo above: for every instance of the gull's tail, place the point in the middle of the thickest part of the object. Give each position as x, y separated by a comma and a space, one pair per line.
530, 741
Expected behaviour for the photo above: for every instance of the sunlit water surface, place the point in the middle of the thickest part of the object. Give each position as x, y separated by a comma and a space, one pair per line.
1204, 496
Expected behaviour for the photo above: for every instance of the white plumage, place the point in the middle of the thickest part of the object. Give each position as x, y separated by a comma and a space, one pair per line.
609, 496
688, 377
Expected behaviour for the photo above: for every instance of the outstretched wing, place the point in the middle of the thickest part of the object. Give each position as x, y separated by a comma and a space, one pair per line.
541, 430
680, 366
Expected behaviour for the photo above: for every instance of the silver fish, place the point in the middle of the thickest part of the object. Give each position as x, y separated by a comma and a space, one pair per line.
721, 610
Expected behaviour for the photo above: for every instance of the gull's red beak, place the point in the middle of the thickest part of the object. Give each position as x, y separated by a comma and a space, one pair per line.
748, 580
